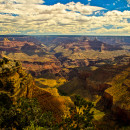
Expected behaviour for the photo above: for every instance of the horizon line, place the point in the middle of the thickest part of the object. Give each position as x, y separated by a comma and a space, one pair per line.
62, 35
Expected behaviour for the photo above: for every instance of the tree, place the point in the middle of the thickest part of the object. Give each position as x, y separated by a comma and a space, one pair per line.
26, 113
7, 113
9, 86
5, 101
80, 115
5, 60
23, 114
1, 84
31, 113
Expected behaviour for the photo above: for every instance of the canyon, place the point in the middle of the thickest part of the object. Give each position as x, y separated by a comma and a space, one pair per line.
38, 56
55, 68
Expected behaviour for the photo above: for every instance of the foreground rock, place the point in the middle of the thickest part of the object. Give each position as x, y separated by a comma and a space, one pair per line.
16, 83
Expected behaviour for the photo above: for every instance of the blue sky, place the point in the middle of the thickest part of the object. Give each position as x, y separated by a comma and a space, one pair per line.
108, 4
65, 17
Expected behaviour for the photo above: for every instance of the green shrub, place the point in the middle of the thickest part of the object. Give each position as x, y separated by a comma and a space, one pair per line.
5, 60
1, 84
80, 115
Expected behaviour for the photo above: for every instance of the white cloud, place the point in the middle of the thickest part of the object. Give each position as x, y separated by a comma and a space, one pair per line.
116, 13
27, 6
32, 18
22, 1
128, 1
84, 9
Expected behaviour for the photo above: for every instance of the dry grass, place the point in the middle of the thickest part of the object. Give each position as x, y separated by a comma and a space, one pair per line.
98, 115
51, 82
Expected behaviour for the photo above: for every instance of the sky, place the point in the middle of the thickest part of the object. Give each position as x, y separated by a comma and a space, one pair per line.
65, 17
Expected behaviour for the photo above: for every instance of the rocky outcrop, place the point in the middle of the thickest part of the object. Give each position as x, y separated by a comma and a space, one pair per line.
13, 46
34, 58
96, 87
117, 97
40, 68
16, 83
75, 63
8, 43
106, 102
14, 80
90, 45
121, 114
33, 49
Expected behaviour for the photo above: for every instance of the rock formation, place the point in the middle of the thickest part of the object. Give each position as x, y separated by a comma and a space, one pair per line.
16, 83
